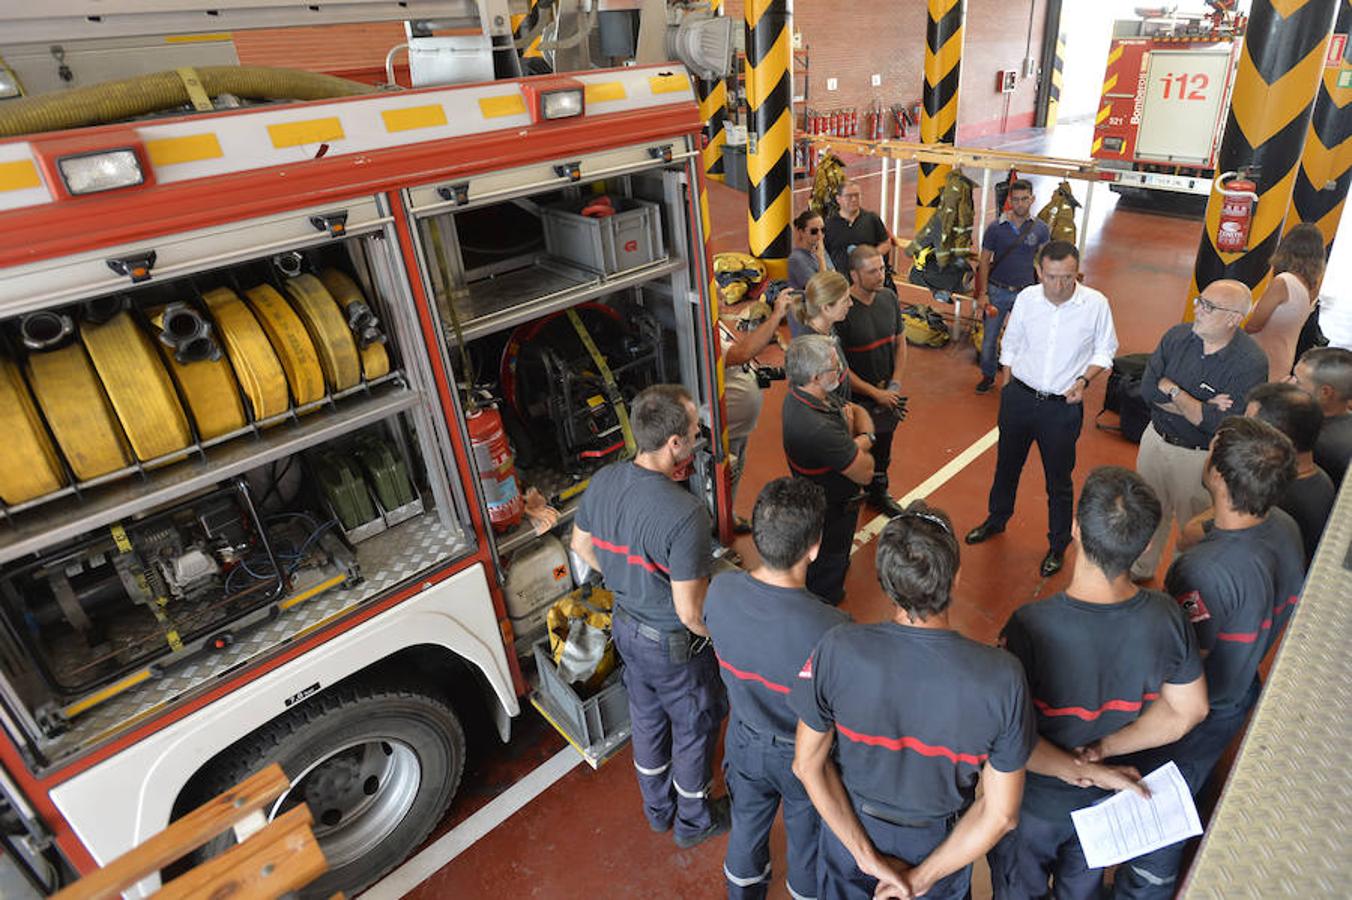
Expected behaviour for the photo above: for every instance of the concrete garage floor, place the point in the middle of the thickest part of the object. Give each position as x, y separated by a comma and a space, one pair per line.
584, 836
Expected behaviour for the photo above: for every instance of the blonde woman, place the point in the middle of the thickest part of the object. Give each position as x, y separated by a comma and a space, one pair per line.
1298, 270
824, 302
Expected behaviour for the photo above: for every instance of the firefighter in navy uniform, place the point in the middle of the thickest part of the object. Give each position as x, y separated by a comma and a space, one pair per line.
1108, 664
921, 713
827, 442
874, 337
650, 538
1238, 587
764, 625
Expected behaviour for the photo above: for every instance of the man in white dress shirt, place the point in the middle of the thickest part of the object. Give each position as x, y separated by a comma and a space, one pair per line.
1060, 337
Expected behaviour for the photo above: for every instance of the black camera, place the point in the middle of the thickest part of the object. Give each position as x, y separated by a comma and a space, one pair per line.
767, 374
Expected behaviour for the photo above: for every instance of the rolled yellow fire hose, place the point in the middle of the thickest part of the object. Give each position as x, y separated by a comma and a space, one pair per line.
332, 338
375, 359
29, 466
82, 420
291, 342
256, 365
208, 386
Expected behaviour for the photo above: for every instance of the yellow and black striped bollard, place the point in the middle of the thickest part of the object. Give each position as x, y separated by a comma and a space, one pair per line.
1326, 163
1054, 90
713, 111
1280, 66
939, 109
769, 152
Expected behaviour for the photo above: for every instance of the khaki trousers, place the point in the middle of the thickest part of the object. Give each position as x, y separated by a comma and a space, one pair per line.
1175, 474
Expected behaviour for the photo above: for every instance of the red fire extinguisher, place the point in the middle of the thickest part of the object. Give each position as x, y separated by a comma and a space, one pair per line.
1232, 233
497, 468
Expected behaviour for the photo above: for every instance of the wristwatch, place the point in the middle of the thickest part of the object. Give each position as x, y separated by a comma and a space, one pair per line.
1174, 391
872, 438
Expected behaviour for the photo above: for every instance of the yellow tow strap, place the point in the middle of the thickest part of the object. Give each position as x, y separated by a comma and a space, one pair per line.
29, 466
616, 399
76, 408
193, 85
138, 386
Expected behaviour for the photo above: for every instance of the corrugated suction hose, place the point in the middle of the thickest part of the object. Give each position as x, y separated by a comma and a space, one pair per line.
115, 101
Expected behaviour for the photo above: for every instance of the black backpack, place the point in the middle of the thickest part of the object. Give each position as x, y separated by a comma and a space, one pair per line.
1123, 396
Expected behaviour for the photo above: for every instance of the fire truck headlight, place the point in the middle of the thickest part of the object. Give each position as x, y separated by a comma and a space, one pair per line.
9, 85
561, 104
90, 173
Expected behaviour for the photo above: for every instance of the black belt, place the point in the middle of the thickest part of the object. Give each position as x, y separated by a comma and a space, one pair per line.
1007, 287
891, 818
1177, 441
767, 736
1041, 395
689, 640
645, 631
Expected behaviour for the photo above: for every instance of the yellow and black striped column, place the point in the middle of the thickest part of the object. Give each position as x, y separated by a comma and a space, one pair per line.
523, 24
1054, 91
939, 109
713, 110
1280, 66
1326, 163
769, 152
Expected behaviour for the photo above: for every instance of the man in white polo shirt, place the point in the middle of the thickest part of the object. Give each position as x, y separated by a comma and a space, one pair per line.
1059, 338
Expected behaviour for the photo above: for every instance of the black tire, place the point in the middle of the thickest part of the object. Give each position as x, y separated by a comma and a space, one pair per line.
341, 733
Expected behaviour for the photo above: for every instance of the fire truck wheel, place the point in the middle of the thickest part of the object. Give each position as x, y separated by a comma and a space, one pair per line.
378, 765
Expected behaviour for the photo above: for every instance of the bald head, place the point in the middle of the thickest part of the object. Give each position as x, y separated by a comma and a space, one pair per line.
1232, 294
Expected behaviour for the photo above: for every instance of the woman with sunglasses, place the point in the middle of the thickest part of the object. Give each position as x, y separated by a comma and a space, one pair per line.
809, 252
1276, 321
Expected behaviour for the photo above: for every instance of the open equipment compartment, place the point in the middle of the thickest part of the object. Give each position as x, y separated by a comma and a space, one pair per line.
237, 449
562, 290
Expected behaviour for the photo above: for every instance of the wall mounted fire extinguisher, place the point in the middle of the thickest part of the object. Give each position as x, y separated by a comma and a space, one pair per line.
1237, 209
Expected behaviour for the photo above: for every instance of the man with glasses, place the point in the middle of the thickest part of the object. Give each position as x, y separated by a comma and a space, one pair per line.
1060, 337
1199, 371
874, 338
853, 226
829, 444
1008, 248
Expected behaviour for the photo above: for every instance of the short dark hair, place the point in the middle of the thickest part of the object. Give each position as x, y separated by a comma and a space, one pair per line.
1117, 514
1331, 367
917, 560
862, 254
1021, 184
1256, 462
1291, 411
804, 217
787, 520
657, 413
1058, 250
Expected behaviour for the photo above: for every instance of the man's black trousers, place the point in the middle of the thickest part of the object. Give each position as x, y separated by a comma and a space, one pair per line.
1054, 425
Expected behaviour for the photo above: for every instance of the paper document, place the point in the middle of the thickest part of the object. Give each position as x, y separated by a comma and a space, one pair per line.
1126, 825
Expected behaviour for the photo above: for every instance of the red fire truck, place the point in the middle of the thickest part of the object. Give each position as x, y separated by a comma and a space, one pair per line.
1166, 90
242, 514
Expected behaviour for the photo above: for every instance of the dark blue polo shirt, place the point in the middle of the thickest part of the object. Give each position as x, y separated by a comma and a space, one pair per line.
762, 635
869, 334
1015, 255
818, 444
1093, 669
648, 531
1238, 589
917, 712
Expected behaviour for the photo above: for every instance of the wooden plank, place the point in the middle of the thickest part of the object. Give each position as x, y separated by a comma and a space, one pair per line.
182, 837
282, 857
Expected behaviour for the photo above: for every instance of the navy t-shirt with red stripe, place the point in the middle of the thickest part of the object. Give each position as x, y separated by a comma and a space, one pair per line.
817, 443
916, 713
762, 636
869, 334
648, 531
1238, 588
1093, 669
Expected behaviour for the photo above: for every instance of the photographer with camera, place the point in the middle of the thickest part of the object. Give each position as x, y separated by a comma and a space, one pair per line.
742, 384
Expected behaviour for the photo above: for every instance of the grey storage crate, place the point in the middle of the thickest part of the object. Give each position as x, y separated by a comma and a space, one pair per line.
598, 726
608, 244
